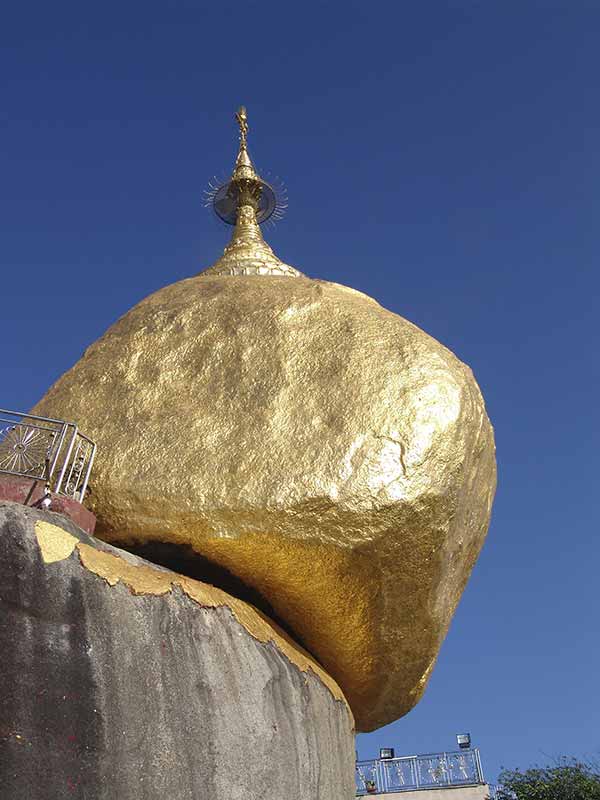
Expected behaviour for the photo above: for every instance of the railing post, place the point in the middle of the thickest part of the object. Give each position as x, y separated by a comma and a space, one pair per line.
57, 446
380, 776
67, 459
478, 766
87, 474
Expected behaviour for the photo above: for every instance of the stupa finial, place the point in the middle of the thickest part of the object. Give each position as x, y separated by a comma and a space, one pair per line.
244, 169
245, 201
242, 118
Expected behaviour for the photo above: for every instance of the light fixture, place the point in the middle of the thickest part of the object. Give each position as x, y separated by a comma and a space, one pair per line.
463, 740
386, 752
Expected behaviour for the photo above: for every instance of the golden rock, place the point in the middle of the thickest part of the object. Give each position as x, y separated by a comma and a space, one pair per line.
323, 449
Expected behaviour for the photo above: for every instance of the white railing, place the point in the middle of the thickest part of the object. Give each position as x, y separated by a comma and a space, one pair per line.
48, 450
430, 771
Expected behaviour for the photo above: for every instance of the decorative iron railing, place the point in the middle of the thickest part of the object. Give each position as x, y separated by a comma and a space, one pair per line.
434, 770
47, 450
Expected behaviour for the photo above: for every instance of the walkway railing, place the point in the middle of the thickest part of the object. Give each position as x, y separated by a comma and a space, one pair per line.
431, 771
47, 450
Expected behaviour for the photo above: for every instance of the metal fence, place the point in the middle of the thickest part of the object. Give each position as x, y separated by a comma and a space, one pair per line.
435, 770
47, 450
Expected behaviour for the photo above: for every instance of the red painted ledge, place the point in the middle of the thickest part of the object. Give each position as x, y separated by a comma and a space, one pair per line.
30, 492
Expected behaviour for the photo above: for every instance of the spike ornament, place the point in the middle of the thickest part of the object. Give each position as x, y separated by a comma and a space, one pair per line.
245, 201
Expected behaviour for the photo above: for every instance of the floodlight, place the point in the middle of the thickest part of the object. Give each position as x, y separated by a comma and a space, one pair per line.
463, 740
386, 752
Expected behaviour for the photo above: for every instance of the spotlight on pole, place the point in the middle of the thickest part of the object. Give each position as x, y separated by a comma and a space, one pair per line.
386, 752
463, 740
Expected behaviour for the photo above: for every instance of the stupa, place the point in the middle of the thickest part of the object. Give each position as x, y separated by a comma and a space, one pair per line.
319, 449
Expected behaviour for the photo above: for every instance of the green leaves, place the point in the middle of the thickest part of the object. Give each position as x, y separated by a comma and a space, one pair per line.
568, 779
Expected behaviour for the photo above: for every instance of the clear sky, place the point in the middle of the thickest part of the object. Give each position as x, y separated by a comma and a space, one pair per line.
439, 156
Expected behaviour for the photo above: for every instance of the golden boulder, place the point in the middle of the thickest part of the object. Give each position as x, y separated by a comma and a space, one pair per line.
322, 449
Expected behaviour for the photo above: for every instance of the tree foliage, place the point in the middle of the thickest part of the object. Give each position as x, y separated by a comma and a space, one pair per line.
567, 779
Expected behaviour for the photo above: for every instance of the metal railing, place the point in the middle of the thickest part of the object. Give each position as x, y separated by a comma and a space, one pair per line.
45, 449
431, 771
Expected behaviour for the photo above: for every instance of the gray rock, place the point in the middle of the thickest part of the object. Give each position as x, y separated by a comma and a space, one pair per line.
109, 694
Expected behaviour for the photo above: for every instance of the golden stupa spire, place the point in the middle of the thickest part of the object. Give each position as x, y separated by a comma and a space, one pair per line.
243, 165
245, 201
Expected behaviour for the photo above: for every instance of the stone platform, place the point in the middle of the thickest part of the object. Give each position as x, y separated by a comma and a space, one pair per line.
120, 679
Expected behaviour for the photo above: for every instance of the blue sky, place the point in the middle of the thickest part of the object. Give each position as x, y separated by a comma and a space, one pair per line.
440, 156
